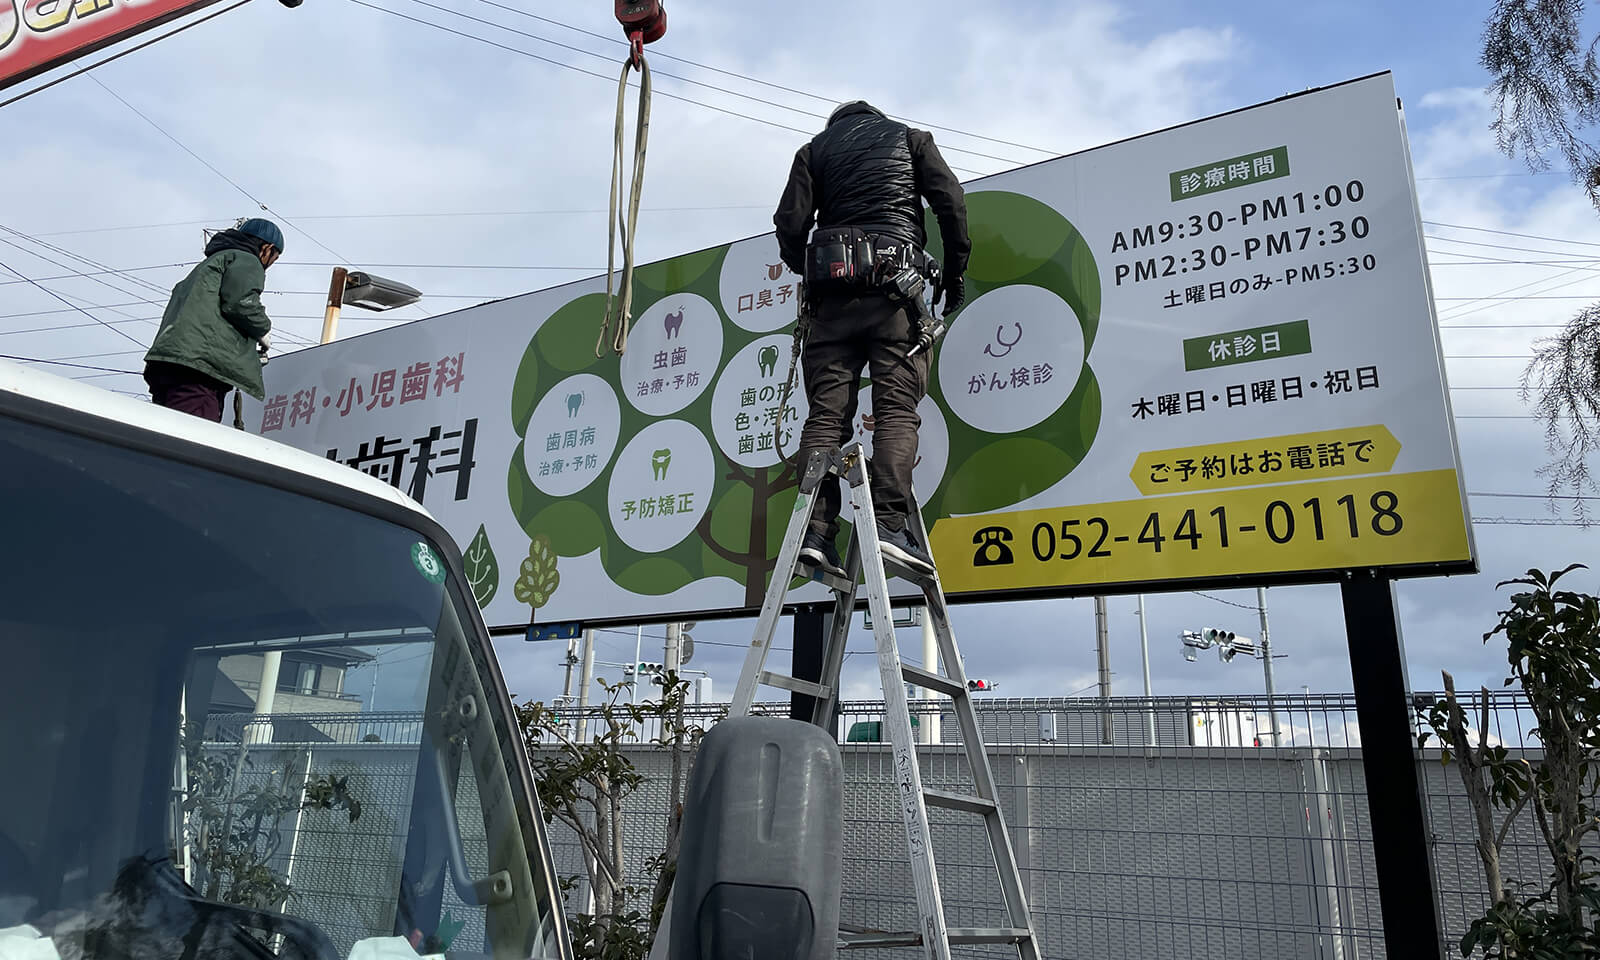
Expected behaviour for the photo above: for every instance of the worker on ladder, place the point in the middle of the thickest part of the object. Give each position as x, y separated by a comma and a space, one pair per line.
861, 181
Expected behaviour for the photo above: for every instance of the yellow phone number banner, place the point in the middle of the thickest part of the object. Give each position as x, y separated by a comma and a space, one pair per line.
1390, 520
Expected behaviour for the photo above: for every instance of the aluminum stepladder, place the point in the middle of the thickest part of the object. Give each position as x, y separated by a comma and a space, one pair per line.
865, 557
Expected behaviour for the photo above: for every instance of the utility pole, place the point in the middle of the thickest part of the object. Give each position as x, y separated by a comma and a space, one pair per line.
581, 723
566, 685
673, 648
638, 651
1102, 636
1144, 652
1266, 661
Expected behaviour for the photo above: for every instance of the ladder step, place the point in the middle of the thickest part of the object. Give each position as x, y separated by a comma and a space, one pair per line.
833, 582
958, 801
956, 935
896, 569
862, 940
988, 934
793, 685
932, 681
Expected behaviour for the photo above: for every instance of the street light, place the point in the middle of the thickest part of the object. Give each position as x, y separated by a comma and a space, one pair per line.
365, 290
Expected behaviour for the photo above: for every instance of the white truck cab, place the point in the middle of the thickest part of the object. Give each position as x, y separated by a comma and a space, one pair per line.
250, 709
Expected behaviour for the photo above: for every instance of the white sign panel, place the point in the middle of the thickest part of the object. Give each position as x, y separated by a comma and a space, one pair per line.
1201, 354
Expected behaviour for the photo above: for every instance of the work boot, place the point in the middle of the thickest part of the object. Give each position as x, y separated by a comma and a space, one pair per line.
898, 546
818, 551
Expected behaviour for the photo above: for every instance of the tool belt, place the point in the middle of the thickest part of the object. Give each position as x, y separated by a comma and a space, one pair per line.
849, 259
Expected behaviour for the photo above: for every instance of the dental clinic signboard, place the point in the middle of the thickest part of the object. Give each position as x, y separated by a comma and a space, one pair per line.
1201, 354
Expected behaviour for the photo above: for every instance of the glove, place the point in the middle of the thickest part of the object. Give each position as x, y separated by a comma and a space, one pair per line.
262, 346
953, 287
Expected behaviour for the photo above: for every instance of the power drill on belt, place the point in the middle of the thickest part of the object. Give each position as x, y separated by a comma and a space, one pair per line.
929, 328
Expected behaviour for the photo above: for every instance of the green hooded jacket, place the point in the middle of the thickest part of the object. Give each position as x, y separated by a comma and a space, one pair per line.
214, 320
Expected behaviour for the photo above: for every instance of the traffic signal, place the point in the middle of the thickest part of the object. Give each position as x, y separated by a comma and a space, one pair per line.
643, 667
980, 686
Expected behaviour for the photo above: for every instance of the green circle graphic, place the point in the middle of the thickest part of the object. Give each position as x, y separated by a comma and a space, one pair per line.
1018, 240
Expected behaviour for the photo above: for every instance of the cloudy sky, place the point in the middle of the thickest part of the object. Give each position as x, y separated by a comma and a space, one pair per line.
478, 170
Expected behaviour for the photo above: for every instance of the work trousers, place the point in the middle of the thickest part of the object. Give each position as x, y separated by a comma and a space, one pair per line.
186, 390
849, 333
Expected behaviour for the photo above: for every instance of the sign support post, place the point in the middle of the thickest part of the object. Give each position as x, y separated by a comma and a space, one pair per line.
1407, 887
810, 635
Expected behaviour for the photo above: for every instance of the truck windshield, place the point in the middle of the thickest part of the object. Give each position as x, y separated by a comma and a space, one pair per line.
240, 721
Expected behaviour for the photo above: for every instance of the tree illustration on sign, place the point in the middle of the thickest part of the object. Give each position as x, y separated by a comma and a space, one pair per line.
1022, 249
483, 571
538, 578
753, 491
726, 530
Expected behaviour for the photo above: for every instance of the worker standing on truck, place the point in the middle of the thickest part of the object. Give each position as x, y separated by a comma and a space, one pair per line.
214, 334
861, 181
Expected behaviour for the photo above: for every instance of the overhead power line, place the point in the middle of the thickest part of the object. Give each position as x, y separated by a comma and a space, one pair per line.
117, 330
98, 273
1456, 313
1500, 261
45, 313
1531, 496
79, 263
765, 83
63, 363
316, 263
1509, 233
209, 166
443, 214
569, 66
673, 76
1495, 176
1529, 522
1242, 606
1505, 246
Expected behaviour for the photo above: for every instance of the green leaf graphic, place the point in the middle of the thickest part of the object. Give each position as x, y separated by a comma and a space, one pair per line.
537, 579
483, 570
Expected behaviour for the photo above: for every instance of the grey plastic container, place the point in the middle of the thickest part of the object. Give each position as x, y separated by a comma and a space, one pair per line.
758, 869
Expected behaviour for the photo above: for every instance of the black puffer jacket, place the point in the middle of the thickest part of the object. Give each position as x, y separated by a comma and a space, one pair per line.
865, 170
861, 165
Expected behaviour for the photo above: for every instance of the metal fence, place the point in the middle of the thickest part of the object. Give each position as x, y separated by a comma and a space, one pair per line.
345, 875
1169, 827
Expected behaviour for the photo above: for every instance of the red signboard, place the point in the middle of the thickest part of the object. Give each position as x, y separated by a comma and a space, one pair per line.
36, 35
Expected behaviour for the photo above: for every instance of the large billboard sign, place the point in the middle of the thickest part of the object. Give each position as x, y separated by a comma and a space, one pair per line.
1202, 354
37, 35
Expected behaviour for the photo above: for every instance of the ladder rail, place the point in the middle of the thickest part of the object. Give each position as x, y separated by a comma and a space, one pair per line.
897, 717
744, 694
1000, 845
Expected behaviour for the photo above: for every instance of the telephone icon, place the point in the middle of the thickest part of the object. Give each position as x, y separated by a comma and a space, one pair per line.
992, 550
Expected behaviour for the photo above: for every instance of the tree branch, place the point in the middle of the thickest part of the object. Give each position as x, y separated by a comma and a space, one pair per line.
703, 527
586, 836
1505, 828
